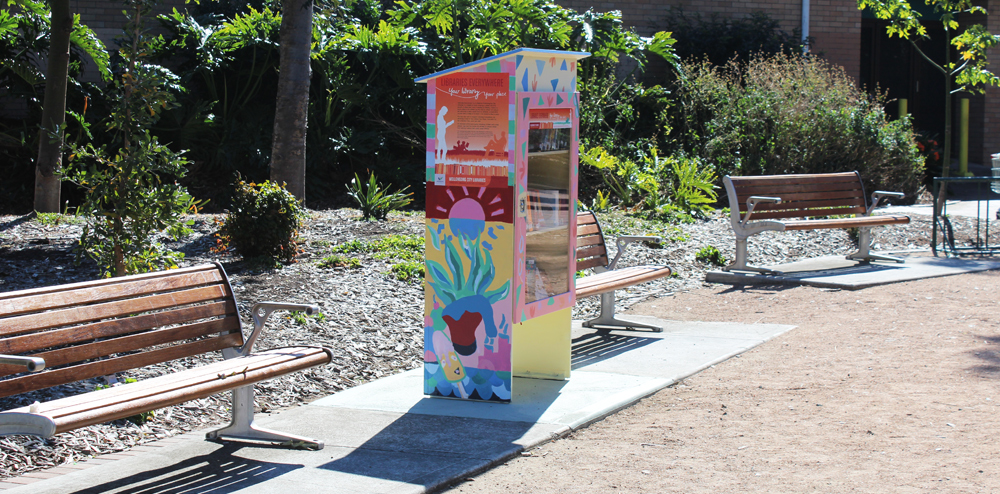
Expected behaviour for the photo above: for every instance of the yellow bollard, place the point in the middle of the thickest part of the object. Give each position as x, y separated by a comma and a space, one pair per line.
903, 110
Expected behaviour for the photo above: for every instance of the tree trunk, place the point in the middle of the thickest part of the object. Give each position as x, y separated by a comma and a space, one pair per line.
288, 149
47, 184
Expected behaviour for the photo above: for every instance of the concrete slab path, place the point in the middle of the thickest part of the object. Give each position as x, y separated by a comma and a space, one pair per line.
386, 437
838, 272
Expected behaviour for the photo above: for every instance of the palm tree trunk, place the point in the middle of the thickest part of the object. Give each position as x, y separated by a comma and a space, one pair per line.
47, 183
288, 149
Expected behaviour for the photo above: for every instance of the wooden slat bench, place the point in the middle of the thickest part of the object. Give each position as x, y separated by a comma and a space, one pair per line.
800, 202
591, 252
63, 334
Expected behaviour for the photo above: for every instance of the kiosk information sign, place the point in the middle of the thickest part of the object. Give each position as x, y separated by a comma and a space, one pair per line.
502, 141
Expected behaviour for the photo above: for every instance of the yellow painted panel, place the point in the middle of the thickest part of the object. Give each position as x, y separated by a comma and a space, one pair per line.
542, 346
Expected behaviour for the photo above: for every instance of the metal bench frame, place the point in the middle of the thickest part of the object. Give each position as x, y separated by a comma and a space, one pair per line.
20, 311
780, 214
608, 276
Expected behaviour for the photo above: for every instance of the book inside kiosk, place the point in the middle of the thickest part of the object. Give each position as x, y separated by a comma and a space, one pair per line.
501, 168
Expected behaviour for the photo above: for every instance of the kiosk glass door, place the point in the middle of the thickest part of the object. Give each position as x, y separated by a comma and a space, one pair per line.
548, 215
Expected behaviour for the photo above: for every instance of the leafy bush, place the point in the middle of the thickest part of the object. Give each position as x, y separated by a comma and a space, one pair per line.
671, 188
710, 255
263, 221
408, 271
132, 197
375, 199
789, 114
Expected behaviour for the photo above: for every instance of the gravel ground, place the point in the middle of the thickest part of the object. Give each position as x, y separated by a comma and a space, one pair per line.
371, 320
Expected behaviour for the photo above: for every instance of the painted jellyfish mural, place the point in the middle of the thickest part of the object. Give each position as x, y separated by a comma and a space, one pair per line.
468, 331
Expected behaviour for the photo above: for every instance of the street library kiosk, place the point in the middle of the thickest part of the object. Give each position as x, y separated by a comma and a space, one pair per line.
501, 173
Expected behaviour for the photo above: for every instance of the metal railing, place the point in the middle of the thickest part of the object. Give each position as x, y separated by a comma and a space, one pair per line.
942, 223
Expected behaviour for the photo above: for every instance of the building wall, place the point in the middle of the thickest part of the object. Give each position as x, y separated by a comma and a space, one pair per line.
835, 24
991, 102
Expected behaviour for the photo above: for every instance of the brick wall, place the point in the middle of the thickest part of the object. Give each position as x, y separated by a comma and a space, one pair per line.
835, 24
991, 102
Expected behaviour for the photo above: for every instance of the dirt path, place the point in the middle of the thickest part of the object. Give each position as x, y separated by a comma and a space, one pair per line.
888, 389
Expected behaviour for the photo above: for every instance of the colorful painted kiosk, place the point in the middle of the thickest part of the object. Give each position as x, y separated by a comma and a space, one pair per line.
502, 141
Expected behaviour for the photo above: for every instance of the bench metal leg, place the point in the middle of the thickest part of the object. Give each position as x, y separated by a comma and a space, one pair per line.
740, 263
607, 318
243, 427
864, 253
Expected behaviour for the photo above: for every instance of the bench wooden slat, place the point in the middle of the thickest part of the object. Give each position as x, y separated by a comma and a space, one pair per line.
592, 251
103, 397
793, 197
75, 315
846, 222
584, 241
591, 263
809, 213
110, 366
37, 341
135, 342
49, 298
183, 394
805, 205
585, 218
804, 189
810, 178
619, 278
587, 229
220, 370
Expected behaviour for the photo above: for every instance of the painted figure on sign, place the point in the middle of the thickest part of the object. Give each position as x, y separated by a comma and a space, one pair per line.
442, 133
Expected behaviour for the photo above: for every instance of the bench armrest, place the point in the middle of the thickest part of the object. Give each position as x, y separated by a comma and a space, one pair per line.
33, 364
752, 203
262, 310
877, 197
623, 241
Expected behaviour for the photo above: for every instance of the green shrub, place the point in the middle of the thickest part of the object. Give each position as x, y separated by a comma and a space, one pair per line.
338, 261
401, 247
131, 192
375, 199
710, 255
263, 222
408, 270
791, 114
672, 188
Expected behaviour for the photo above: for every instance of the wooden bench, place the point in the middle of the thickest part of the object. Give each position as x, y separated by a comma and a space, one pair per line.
63, 334
803, 202
591, 252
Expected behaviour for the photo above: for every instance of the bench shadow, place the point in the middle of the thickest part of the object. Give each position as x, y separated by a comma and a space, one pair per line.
989, 358
601, 345
218, 472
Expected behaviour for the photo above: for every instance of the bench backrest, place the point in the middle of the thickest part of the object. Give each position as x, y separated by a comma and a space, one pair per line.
98, 328
590, 249
801, 195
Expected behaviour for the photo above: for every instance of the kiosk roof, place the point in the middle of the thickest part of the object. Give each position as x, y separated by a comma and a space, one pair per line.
528, 52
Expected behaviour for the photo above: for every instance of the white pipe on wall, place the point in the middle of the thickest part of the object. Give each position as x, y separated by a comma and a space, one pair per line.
805, 24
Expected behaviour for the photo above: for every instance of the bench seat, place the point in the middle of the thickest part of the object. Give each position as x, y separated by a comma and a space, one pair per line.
62, 334
123, 401
599, 283
592, 252
804, 202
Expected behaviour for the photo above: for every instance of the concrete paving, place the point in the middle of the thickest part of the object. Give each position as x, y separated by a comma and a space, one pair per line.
839, 272
386, 437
